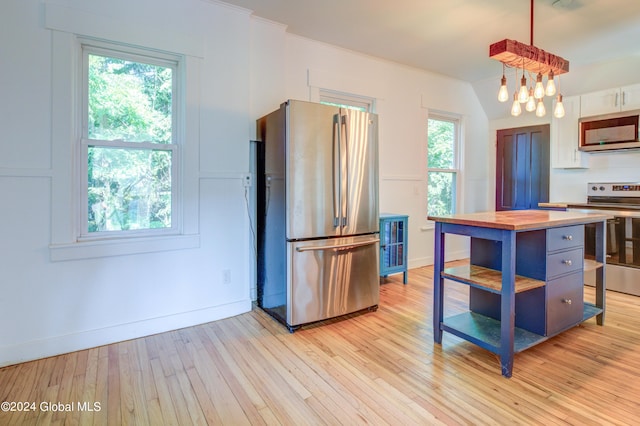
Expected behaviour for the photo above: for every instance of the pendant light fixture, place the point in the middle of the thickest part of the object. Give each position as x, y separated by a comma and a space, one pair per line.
531, 103
503, 93
551, 86
535, 60
558, 111
516, 109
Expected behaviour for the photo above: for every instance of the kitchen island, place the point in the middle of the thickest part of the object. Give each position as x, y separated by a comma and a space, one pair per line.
526, 277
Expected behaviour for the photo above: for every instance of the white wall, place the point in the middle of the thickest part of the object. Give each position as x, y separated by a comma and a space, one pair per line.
50, 307
403, 96
570, 185
240, 69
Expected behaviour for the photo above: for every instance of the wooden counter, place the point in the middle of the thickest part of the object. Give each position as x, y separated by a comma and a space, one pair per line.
556, 206
508, 312
520, 220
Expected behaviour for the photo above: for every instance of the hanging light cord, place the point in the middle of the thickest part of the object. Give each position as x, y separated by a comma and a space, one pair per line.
531, 26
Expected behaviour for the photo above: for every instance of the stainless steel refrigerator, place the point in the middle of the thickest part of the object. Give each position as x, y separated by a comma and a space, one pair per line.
318, 242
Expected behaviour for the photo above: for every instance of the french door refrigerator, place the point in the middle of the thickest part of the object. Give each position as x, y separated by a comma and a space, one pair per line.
318, 241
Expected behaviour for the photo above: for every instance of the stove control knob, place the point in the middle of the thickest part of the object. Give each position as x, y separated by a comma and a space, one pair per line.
595, 188
602, 188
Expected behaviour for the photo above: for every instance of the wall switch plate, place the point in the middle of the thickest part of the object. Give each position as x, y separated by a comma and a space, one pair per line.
247, 180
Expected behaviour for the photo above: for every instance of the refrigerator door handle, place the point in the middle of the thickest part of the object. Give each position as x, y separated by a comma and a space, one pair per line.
345, 212
338, 246
336, 171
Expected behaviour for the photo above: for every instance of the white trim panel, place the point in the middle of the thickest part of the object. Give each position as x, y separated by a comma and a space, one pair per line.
61, 18
121, 247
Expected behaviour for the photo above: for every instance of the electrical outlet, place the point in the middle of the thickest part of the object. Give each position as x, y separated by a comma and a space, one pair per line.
226, 276
247, 180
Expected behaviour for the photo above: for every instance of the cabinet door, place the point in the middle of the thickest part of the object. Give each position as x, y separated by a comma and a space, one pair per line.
630, 97
601, 102
565, 137
392, 245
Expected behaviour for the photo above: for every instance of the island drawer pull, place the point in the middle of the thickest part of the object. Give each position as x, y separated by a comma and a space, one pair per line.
567, 262
567, 301
567, 237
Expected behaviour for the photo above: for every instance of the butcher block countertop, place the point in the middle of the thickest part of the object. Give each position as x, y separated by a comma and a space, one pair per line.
518, 220
553, 205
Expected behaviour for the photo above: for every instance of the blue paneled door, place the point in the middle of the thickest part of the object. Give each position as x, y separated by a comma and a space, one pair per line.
522, 167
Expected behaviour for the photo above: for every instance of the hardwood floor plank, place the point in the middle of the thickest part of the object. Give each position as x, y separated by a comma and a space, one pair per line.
378, 367
89, 386
281, 391
114, 410
133, 391
322, 399
242, 389
169, 416
193, 409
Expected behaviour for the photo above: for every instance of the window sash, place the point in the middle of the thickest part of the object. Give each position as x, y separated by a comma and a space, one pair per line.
342, 99
454, 170
83, 232
134, 55
453, 184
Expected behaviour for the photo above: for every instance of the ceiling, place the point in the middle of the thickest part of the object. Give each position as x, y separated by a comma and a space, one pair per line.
452, 37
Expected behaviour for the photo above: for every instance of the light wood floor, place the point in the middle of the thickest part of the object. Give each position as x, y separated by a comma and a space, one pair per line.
373, 368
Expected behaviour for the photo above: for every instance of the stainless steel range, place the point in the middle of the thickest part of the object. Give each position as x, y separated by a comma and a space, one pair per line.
622, 201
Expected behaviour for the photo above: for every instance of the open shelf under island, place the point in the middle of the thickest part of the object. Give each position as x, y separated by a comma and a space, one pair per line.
526, 277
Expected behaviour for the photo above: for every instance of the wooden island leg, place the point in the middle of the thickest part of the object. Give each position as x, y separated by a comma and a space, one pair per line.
507, 304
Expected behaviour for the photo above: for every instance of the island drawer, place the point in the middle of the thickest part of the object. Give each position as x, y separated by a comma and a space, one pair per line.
564, 262
565, 303
565, 237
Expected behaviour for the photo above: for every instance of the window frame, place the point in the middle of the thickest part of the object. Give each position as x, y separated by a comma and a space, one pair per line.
455, 170
88, 47
349, 100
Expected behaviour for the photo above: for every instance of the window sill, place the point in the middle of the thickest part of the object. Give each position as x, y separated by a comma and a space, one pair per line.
120, 247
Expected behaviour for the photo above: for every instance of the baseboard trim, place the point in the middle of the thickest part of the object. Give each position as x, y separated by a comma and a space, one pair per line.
427, 261
43, 348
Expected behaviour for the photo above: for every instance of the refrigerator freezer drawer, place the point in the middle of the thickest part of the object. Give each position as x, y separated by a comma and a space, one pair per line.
331, 277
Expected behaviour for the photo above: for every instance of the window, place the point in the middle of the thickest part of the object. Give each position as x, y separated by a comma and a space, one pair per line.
343, 100
442, 164
129, 144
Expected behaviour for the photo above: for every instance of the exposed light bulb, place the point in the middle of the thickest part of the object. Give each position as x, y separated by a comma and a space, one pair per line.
531, 103
538, 92
523, 95
551, 85
540, 109
503, 93
516, 110
558, 112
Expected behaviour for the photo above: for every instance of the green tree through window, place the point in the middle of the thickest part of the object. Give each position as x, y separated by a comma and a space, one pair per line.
441, 165
129, 144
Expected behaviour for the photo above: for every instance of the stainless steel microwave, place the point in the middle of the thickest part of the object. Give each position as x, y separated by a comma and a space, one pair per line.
610, 131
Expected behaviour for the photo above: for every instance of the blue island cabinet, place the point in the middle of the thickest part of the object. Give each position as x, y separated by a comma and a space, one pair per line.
393, 245
526, 278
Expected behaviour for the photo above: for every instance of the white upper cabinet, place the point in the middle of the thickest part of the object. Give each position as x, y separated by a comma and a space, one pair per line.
611, 100
564, 138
